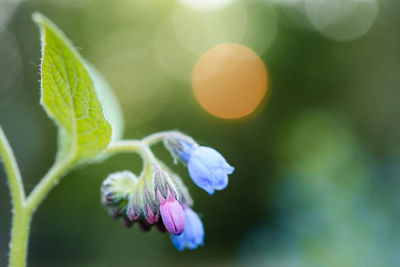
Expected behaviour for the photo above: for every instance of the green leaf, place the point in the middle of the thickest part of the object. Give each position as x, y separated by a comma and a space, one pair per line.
69, 97
109, 101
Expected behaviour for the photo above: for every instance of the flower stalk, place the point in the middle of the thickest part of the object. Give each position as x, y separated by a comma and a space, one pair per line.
160, 196
24, 207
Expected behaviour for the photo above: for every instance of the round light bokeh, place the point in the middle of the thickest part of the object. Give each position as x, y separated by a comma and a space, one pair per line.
230, 81
253, 24
206, 5
198, 31
342, 20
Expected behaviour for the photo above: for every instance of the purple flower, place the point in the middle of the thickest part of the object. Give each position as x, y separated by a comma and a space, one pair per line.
171, 213
193, 235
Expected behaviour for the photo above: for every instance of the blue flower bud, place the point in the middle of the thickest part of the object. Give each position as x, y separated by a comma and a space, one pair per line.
209, 169
180, 146
193, 235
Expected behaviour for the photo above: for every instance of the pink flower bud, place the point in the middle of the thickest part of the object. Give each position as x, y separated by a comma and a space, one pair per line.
171, 213
151, 217
132, 215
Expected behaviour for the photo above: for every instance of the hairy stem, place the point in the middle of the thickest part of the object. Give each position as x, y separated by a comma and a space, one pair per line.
19, 237
12, 171
129, 146
124, 146
25, 207
21, 219
157, 137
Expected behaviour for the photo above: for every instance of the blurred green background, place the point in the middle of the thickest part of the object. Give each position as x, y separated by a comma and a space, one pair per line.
317, 166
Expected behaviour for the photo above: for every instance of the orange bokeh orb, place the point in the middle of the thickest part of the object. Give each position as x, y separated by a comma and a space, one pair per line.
230, 81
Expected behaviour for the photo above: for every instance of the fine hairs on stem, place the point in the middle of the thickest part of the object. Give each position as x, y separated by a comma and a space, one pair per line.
24, 207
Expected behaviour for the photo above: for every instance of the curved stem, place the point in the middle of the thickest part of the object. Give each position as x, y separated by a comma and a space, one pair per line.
123, 146
60, 168
129, 146
157, 137
12, 171
20, 221
25, 207
136, 146
150, 156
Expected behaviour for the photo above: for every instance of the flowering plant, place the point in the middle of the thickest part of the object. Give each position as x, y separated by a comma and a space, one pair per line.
90, 128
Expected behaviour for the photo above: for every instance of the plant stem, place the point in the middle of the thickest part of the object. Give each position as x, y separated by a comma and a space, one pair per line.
124, 146
25, 207
12, 171
137, 146
22, 214
19, 237
157, 137
21, 218
129, 146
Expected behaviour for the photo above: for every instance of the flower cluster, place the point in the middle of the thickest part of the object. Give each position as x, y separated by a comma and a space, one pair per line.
159, 198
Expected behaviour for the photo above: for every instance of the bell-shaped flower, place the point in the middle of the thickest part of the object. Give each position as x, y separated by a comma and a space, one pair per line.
209, 169
171, 213
193, 235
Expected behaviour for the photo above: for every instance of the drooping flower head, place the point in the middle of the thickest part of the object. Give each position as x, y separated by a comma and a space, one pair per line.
155, 200
207, 167
159, 197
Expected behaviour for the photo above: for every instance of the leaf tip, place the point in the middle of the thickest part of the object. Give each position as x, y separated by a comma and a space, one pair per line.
43, 22
37, 17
